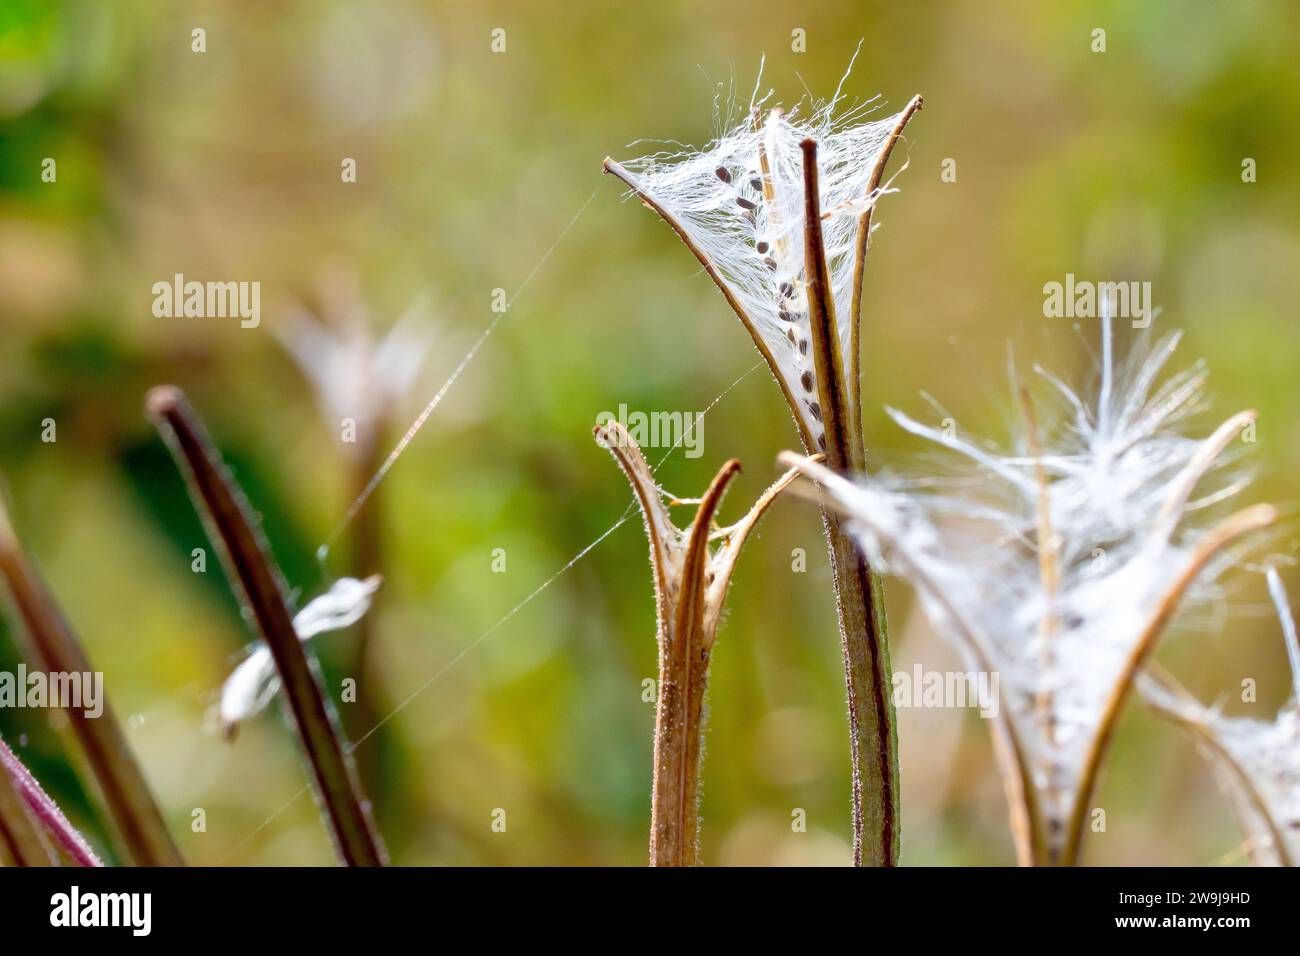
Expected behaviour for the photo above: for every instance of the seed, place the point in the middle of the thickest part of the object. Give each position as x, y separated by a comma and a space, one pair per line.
761, 247
744, 203
722, 174
807, 379
816, 411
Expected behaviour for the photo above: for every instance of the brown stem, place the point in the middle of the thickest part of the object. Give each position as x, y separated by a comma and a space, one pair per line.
872, 732
1208, 739
363, 716
140, 834
1241, 523
860, 256
684, 669
690, 588
259, 585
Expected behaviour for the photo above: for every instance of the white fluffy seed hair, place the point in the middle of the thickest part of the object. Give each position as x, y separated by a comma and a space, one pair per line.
354, 375
253, 684
740, 201
1117, 475
1258, 761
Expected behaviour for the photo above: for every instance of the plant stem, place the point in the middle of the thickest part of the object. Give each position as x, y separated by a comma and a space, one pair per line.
683, 674
42, 810
363, 716
259, 584
690, 590
1243, 522
1237, 773
863, 246
141, 834
20, 838
872, 732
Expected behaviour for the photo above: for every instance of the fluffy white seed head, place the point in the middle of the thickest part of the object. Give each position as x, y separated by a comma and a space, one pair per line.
1258, 761
253, 684
355, 376
1057, 616
740, 202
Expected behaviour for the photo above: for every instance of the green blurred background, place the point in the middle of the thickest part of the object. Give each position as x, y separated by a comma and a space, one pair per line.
226, 165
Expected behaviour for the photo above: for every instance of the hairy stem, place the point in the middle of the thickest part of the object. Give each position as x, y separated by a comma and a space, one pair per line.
41, 810
683, 673
872, 731
141, 835
20, 838
259, 584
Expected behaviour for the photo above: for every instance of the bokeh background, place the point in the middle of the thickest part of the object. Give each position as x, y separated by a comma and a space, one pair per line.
226, 165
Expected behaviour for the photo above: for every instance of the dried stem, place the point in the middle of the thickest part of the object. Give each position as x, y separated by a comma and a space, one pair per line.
1206, 737
37, 806
860, 259
1242, 523
364, 715
140, 833
1277, 591
1209, 451
674, 830
690, 589
872, 731
258, 582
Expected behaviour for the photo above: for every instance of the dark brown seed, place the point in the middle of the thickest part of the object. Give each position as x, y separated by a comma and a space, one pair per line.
761, 247
770, 263
787, 290
807, 380
816, 410
803, 346
756, 184
789, 334
722, 174
784, 316
744, 203
821, 442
